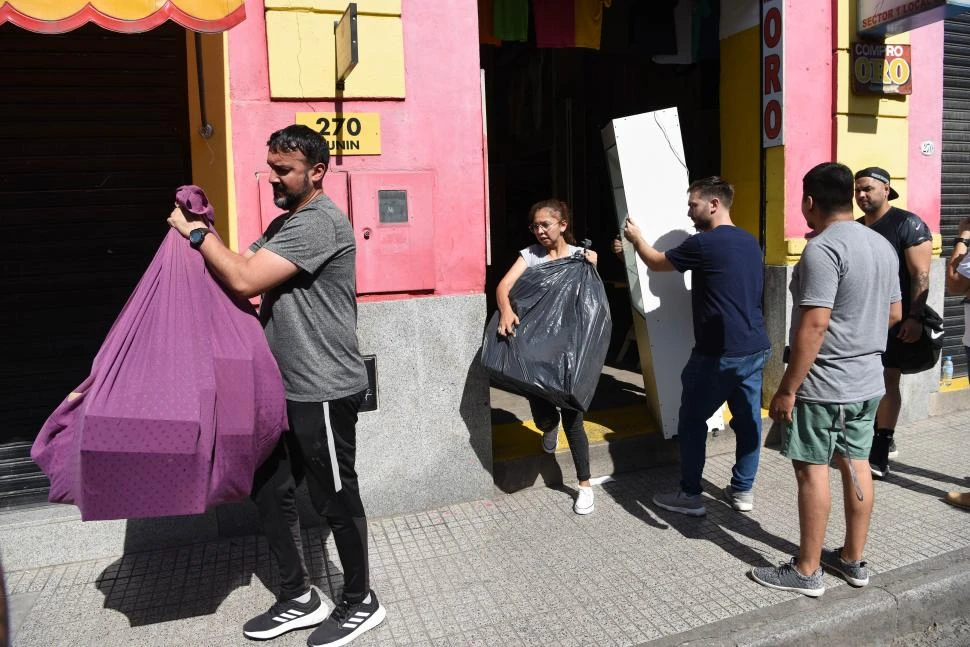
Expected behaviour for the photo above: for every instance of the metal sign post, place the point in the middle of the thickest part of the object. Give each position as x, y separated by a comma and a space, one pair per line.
345, 44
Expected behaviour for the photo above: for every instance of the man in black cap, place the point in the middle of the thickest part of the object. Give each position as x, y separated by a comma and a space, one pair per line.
913, 242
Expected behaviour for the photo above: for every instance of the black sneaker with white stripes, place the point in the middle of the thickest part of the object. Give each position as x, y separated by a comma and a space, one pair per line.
348, 621
284, 616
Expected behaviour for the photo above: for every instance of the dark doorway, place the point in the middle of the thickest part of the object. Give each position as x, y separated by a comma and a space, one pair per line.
95, 140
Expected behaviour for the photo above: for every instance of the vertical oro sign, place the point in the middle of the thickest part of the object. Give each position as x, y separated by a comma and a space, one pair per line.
772, 66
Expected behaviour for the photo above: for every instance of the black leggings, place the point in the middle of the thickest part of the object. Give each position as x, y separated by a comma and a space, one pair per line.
546, 417
321, 447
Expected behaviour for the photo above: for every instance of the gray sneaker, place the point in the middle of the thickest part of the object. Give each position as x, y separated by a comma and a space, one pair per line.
855, 573
784, 577
681, 502
740, 501
550, 440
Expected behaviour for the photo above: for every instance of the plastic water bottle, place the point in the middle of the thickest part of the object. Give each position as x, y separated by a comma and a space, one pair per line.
947, 371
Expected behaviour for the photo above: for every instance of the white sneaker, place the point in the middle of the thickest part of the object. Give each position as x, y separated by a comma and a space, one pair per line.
584, 500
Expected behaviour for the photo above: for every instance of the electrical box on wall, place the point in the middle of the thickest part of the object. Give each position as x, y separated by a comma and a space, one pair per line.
393, 221
334, 185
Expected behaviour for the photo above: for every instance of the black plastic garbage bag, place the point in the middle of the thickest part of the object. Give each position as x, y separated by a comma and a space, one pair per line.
562, 338
922, 354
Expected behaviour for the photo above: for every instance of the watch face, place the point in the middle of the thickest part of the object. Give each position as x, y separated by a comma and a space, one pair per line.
196, 236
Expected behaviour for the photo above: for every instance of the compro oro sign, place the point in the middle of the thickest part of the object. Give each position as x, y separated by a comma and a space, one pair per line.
347, 133
772, 64
878, 68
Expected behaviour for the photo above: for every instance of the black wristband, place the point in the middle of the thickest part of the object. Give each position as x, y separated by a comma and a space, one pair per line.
196, 236
958, 239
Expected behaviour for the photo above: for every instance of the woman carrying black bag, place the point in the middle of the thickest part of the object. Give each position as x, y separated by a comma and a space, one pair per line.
549, 222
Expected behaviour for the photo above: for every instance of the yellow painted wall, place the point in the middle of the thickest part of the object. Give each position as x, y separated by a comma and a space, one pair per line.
740, 128
776, 247
300, 44
212, 158
869, 130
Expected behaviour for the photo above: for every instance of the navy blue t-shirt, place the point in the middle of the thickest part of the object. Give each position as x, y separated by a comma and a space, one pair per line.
727, 282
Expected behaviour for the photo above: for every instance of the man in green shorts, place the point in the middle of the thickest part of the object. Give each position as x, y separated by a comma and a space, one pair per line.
845, 294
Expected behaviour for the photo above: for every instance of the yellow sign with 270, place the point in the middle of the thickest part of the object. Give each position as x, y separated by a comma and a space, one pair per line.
347, 133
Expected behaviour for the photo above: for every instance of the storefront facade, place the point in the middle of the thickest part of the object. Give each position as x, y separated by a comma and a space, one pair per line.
419, 102
825, 117
819, 117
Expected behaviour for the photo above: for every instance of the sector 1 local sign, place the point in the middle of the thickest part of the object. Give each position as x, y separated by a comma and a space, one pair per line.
347, 133
881, 17
874, 13
878, 68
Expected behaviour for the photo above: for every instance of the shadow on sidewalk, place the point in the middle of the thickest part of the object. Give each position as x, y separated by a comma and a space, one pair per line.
900, 471
182, 582
713, 527
911, 470
520, 461
520, 473
474, 411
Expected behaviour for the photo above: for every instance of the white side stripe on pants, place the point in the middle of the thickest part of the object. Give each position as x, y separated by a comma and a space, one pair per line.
337, 486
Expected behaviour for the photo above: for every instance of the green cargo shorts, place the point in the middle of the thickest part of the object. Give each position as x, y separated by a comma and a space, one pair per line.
819, 430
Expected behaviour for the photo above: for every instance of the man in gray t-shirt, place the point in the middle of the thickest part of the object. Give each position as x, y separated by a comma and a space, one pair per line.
304, 268
311, 319
845, 295
842, 270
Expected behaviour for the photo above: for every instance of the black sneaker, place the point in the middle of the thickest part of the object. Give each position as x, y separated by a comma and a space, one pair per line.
347, 622
284, 616
893, 452
879, 454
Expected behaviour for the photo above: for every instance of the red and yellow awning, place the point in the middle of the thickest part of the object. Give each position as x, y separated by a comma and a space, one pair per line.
57, 16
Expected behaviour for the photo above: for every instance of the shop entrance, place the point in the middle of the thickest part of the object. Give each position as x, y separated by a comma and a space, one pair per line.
95, 135
545, 110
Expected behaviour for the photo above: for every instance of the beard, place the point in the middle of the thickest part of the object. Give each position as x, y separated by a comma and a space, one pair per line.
702, 225
287, 199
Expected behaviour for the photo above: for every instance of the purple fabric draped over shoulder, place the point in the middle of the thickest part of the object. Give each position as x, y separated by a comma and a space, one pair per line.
183, 403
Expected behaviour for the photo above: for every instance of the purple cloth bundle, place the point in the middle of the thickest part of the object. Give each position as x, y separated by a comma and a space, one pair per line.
183, 403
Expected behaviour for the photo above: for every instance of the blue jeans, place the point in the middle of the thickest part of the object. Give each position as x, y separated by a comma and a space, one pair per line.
708, 382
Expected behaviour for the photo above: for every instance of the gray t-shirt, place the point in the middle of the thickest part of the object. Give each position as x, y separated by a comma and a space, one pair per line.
535, 254
310, 320
854, 271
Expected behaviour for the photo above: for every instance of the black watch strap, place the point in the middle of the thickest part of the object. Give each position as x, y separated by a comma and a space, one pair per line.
196, 236
958, 239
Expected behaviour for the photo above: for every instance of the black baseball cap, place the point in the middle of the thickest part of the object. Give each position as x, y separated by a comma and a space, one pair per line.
880, 174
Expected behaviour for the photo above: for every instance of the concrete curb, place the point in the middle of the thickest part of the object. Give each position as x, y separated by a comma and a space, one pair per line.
897, 603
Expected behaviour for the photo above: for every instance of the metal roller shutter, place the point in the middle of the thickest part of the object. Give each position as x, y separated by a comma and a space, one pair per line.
955, 187
95, 140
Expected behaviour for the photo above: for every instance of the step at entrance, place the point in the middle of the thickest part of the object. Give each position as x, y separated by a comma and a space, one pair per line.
21, 481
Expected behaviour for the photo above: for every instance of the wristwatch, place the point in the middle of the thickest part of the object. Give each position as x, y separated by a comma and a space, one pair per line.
196, 236
958, 239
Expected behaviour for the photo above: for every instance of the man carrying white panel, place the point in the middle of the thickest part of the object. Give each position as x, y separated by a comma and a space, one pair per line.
730, 342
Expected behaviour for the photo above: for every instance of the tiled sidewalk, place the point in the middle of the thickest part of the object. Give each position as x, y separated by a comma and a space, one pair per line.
520, 569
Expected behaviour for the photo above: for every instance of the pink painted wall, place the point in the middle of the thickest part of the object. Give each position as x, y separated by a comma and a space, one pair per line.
809, 102
926, 123
437, 127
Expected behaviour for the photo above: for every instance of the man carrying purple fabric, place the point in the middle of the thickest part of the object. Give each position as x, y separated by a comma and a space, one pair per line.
303, 265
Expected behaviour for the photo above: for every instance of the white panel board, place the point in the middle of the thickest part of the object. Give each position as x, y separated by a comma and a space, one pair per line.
645, 156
